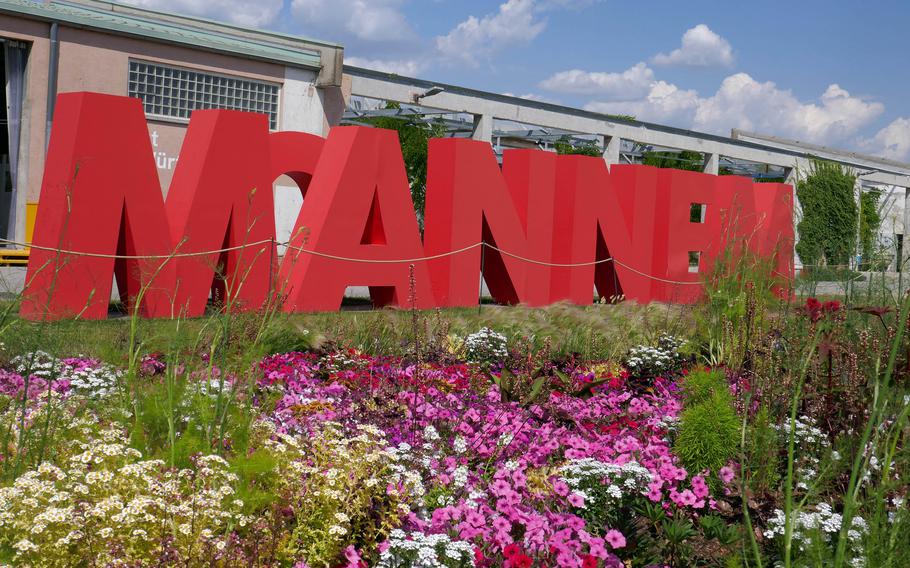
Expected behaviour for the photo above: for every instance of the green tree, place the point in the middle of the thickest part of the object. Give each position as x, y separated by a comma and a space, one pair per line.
565, 146
414, 134
683, 160
827, 230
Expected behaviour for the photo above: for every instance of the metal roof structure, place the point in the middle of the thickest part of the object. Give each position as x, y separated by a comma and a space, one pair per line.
197, 33
511, 134
733, 153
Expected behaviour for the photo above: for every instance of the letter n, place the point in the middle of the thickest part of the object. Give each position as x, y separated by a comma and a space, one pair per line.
468, 201
100, 195
357, 207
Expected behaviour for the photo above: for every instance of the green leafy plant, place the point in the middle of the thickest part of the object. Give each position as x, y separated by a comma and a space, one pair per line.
827, 230
699, 385
708, 433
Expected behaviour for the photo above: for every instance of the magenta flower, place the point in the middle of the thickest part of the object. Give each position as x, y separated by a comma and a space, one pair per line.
615, 538
576, 500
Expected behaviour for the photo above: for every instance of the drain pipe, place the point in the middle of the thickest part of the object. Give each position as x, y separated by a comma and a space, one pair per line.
53, 65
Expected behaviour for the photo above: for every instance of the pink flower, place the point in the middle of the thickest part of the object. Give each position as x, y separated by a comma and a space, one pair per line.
353, 557
699, 487
726, 474
684, 499
560, 488
615, 538
576, 500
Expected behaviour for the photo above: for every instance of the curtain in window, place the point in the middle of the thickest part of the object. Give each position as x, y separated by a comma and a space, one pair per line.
14, 54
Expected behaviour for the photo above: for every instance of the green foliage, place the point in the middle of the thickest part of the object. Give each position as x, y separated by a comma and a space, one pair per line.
708, 433
870, 223
701, 384
739, 291
762, 452
564, 146
283, 336
683, 160
827, 230
414, 135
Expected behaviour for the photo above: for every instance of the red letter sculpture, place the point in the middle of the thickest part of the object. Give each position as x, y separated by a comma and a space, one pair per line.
100, 195
221, 198
358, 206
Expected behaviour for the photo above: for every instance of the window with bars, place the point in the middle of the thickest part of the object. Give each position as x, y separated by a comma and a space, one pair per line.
175, 93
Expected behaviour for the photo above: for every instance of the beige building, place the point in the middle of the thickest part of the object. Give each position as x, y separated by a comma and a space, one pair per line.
175, 64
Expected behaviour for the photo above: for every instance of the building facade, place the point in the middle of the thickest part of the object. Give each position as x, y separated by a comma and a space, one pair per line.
175, 64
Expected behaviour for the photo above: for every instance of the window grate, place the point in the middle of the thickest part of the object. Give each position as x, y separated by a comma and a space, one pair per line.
174, 92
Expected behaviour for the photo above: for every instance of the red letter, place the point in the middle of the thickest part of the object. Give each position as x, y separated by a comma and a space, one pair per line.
221, 197
101, 195
358, 206
468, 200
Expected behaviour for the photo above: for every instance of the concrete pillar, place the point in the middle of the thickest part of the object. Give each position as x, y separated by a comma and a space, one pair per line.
712, 164
483, 128
611, 149
791, 177
905, 245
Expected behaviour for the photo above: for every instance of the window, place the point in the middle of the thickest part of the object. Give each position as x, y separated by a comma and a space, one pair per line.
694, 259
697, 212
175, 93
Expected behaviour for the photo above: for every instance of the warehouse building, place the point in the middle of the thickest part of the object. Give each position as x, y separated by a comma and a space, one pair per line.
175, 64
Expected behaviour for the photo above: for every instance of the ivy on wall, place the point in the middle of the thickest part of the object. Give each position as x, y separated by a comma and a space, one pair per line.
870, 223
827, 230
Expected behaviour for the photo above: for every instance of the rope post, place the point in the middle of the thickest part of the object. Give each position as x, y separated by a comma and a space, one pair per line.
615, 298
273, 250
483, 246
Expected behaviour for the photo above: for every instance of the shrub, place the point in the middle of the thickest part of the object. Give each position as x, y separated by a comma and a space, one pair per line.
708, 434
648, 361
341, 490
104, 505
701, 384
485, 347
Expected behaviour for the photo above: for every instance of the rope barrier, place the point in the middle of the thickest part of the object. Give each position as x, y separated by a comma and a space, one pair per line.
288, 245
385, 261
136, 257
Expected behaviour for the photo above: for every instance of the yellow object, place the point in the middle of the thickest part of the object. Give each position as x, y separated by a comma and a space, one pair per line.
19, 257
14, 257
31, 212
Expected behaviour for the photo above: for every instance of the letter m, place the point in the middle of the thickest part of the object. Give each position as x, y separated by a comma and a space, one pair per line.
100, 196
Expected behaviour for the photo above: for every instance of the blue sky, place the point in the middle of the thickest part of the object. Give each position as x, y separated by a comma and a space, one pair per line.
834, 73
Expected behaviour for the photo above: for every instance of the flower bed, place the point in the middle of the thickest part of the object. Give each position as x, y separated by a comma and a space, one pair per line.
365, 461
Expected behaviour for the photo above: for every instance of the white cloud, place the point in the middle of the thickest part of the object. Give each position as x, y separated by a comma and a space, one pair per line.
406, 67
368, 20
253, 14
892, 141
633, 83
700, 47
516, 22
533, 97
742, 102
664, 103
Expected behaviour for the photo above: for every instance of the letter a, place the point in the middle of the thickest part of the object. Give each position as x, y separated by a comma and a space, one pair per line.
358, 206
